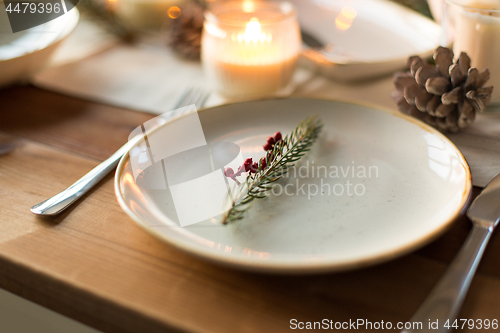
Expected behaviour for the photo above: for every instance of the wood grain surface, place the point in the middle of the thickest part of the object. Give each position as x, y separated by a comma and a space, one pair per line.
94, 264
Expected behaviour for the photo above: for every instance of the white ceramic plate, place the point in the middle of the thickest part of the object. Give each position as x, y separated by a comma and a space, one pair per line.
24, 53
365, 38
418, 184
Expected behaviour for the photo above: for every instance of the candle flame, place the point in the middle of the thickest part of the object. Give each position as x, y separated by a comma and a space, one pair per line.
253, 33
253, 27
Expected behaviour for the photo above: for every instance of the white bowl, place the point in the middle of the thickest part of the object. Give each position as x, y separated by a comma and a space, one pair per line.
24, 53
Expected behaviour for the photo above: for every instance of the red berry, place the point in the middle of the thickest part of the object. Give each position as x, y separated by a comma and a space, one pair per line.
270, 140
263, 163
247, 164
267, 146
277, 136
255, 167
228, 172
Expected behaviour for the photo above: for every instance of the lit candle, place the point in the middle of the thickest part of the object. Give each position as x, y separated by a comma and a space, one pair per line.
477, 32
147, 14
250, 49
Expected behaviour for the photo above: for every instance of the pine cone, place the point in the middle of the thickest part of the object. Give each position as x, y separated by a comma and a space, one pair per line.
185, 33
446, 95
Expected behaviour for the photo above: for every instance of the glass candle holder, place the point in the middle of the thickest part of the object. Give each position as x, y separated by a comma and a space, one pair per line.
474, 27
250, 48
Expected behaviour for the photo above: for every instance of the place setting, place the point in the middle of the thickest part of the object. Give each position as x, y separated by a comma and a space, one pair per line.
299, 140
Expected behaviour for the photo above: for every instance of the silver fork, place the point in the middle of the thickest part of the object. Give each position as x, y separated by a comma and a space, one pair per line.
69, 196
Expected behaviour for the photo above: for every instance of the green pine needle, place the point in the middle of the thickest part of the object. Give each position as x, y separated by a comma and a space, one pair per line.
283, 156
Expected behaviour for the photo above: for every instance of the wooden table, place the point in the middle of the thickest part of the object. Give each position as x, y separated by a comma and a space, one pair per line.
94, 264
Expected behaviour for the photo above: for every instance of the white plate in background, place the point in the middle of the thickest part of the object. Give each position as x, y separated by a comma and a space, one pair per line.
365, 38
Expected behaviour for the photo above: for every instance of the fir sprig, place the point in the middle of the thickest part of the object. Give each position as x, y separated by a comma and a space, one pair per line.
278, 161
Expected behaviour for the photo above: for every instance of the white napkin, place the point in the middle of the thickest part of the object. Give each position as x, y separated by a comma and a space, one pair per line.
145, 78
150, 79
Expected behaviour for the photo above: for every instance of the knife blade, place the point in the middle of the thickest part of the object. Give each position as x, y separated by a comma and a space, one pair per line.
445, 300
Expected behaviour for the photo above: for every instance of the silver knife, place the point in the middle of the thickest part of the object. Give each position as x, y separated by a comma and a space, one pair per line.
445, 300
